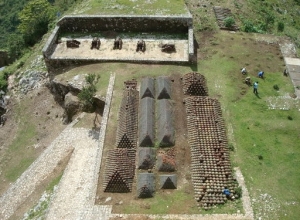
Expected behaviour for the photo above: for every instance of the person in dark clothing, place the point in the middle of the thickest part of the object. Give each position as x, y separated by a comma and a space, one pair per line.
261, 74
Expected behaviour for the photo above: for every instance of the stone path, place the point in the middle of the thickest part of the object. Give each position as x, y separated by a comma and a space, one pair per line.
293, 67
75, 196
292, 64
39, 170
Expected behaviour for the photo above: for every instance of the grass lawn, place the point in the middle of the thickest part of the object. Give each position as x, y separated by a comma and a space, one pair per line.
266, 141
132, 7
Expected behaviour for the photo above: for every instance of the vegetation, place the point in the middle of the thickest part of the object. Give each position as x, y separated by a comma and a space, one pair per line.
229, 22
24, 22
88, 92
35, 18
161, 7
262, 17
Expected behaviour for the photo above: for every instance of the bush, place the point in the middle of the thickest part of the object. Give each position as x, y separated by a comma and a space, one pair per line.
3, 82
290, 118
248, 27
231, 147
87, 93
229, 22
280, 26
276, 87
238, 192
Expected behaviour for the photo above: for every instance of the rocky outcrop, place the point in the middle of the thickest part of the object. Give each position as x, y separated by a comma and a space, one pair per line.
65, 93
71, 106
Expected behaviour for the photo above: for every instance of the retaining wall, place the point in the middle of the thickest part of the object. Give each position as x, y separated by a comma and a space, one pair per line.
118, 23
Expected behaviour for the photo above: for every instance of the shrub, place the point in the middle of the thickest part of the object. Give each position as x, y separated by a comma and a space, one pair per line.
276, 87
20, 64
280, 26
3, 82
87, 93
229, 22
248, 26
290, 118
238, 192
231, 147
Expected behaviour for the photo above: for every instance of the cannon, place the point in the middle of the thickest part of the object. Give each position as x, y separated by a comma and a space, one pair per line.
141, 46
168, 48
118, 43
73, 43
95, 43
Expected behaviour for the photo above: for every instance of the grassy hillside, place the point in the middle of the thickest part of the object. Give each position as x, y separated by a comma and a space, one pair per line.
150, 7
276, 17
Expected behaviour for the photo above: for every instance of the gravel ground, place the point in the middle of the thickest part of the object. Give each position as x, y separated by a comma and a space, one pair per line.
35, 174
75, 196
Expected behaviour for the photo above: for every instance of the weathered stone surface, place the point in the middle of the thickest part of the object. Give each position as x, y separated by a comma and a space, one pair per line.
60, 88
71, 106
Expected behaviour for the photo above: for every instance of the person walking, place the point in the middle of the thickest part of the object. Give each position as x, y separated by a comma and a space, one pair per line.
255, 87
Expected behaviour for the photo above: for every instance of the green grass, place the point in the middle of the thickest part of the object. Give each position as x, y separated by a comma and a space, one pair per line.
172, 203
40, 208
14, 172
285, 12
138, 7
257, 130
54, 182
20, 153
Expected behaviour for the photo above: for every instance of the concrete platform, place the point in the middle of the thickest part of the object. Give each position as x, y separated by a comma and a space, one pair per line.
293, 67
127, 53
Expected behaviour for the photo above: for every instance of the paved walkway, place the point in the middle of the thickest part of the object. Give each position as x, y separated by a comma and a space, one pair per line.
39, 170
75, 196
292, 64
293, 67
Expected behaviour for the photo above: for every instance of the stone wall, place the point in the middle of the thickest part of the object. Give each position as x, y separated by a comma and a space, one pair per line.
51, 42
118, 23
125, 23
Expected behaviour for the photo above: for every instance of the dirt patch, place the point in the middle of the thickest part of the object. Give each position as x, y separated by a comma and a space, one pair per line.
36, 111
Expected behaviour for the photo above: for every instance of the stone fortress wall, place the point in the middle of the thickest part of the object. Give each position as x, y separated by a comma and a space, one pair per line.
118, 23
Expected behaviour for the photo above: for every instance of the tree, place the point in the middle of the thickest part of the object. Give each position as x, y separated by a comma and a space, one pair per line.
15, 45
88, 92
34, 18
